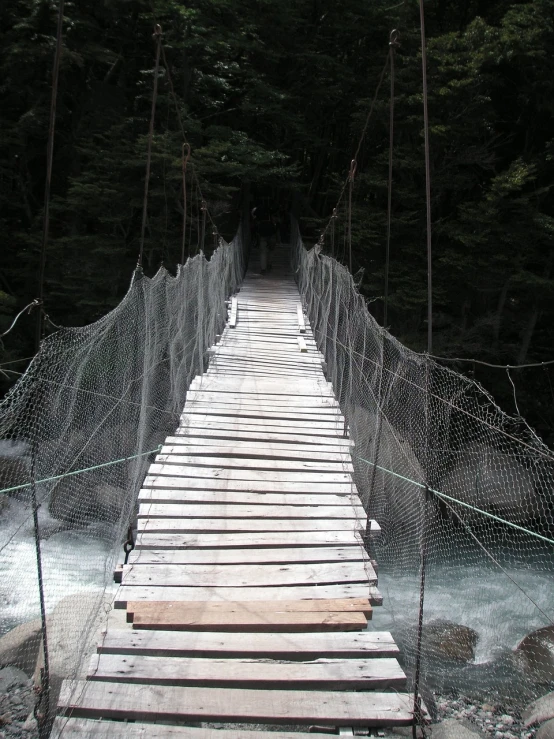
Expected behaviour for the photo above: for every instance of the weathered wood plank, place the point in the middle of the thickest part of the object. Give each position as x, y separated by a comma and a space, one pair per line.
227, 473
181, 458
252, 622
176, 609
291, 432
306, 387
244, 525
226, 483
247, 575
240, 398
324, 674
315, 645
197, 495
237, 432
345, 590
330, 708
82, 728
238, 510
284, 555
225, 540
234, 312
265, 411
251, 451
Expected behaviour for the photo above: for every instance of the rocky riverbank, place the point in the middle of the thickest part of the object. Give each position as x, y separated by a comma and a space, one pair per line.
17, 700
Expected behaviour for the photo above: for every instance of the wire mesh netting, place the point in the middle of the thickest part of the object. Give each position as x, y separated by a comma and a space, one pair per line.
452, 478
105, 393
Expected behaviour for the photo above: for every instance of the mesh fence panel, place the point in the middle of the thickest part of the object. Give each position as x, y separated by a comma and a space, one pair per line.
93, 395
488, 583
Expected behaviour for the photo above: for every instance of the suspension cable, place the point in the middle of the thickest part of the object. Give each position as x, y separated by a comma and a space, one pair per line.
392, 44
185, 158
157, 35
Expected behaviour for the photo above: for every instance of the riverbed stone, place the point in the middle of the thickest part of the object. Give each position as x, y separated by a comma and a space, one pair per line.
20, 646
10, 677
539, 711
450, 640
535, 654
452, 729
546, 730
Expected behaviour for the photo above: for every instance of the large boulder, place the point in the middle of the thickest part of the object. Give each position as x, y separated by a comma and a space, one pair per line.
448, 640
535, 654
19, 647
452, 729
546, 730
493, 481
539, 711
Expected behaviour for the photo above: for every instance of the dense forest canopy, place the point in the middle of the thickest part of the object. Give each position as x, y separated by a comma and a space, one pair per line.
273, 96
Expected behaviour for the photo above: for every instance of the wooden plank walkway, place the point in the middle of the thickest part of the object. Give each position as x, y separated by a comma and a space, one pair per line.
247, 596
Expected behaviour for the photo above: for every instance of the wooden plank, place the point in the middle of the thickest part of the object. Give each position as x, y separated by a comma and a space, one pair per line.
290, 707
326, 415
244, 525
153, 592
305, 387
82, 728
255, 464
248, 486
263, 450
314, 645
178, 609
270, 539
247, 575
284, 555
293, 622
302, 344
324, 674
288, 401
226, 473
317, 427
235, 433
267, 428
234, 311
194, 495
238, 510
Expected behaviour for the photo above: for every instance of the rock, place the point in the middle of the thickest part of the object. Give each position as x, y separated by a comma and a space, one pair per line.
452, 729
10, 677
539, 711
535, 654
450, 640
546, 730
493, 481
20, 646
30, 723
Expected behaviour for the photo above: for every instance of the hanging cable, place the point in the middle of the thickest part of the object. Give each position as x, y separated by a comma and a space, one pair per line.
185, 158
392, 44
157, 35
351, 176
204, 209
42, 708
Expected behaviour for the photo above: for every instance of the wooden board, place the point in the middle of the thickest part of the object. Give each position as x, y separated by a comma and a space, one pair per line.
233, 313
238, 510
329, 708
82, 728
251, 622
251, 451
300, 318
268, 486
148, 592
306, 387
314, 645
244, 525
226, 473
288, 401
193, 495
177, 609
181, 458
265, 411
284, 555
325, 674
247, 575
237, 432
263, 426
281, 539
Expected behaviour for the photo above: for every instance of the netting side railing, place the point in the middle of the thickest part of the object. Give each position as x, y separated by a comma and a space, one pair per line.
487, 522
109, 391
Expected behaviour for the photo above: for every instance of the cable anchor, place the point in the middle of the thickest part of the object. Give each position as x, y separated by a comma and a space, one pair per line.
129, 544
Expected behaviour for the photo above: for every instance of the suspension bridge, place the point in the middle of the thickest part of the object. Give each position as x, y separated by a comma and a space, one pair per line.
247, 596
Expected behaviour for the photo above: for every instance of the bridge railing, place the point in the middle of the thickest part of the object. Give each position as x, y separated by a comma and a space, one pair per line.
77, 433
451, 479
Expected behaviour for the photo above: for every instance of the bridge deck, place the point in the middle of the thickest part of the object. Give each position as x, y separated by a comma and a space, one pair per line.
247, 597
